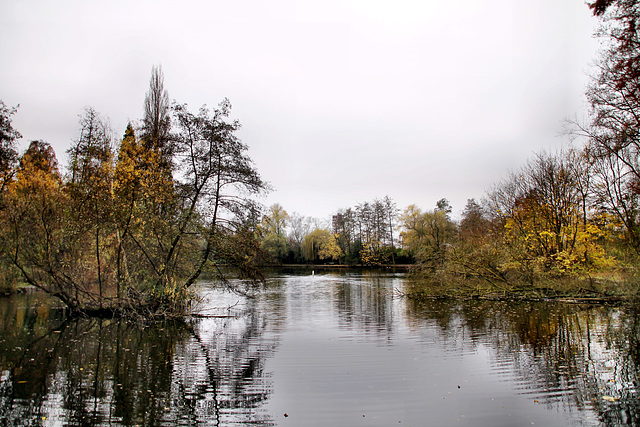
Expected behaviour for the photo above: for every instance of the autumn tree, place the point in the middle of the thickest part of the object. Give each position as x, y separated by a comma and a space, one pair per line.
127, 238
273, 232
170, 229
321, 245
34, 224
133, 233
541, 206
426, 235
142, 194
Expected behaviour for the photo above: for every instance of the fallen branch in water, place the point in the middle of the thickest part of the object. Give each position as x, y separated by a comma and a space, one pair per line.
203, 312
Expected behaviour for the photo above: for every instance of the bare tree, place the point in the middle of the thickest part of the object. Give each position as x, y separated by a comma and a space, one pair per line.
93, 148
90, 184
217, 173
614, 129
299, 227
157, 116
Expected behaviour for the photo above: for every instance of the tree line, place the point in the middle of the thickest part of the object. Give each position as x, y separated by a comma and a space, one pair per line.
364, 235
129, 226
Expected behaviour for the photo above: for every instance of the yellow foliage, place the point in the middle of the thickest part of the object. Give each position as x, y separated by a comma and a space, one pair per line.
321, 244
531, 236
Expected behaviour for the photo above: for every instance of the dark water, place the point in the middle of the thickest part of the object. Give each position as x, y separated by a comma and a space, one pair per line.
339, 349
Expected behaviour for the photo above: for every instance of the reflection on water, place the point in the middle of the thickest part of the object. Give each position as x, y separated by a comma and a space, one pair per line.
114, 372
327, 349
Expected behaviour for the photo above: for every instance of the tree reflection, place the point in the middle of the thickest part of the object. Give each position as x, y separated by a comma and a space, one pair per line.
586, 356
365, 304
117, 372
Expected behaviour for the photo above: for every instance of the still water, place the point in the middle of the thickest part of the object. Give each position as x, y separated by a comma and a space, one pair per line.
334, 348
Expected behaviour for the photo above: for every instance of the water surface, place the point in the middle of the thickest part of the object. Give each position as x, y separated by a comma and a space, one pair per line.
332, 348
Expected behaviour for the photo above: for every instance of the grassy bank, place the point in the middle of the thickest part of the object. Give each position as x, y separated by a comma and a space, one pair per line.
607, 287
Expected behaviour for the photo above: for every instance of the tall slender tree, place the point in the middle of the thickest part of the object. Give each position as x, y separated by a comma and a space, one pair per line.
156, 125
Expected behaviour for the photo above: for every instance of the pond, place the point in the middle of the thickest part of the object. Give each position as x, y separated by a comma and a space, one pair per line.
331, 348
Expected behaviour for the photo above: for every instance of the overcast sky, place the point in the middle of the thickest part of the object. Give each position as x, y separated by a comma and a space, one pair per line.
341, 101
